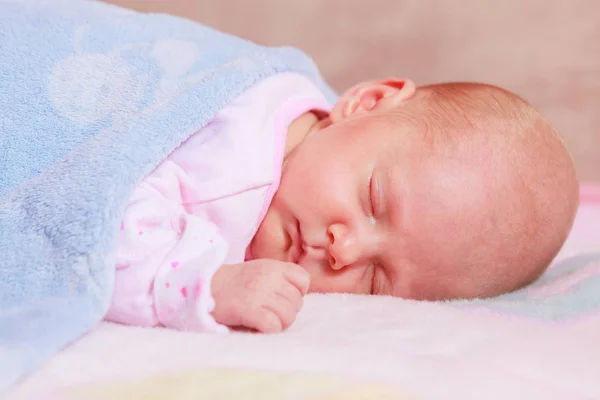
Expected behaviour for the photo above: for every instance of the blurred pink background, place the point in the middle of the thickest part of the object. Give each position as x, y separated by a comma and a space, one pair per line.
546, 51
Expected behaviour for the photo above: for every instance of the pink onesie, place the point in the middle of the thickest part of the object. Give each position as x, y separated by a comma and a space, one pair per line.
200, 208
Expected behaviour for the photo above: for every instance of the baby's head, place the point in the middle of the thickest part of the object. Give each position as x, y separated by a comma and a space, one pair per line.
446, 191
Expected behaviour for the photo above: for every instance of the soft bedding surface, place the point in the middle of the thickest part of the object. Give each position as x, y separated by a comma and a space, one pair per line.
539, 343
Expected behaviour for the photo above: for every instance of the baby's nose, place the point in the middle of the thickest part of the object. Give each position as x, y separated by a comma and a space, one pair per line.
345, 247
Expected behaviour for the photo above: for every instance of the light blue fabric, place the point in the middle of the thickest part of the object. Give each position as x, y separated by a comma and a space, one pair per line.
567, 291
92, 98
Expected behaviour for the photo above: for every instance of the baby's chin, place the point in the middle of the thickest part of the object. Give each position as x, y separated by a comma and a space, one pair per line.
263, 246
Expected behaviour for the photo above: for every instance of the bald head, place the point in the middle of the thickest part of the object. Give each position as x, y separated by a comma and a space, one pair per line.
527, 179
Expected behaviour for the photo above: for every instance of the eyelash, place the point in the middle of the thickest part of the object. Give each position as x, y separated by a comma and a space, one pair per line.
373, 281
371, 202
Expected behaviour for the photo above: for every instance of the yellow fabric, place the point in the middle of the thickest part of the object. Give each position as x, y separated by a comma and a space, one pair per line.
229, 384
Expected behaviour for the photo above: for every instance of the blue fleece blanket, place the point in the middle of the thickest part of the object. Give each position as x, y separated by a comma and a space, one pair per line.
92, 98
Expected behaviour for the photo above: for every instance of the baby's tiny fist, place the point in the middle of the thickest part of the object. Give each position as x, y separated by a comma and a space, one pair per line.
265, 295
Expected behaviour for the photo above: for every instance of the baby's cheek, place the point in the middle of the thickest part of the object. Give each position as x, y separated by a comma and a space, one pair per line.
324, 280
322, 286
319, 283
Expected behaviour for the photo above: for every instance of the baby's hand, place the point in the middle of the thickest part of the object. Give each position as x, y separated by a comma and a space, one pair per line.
263, 294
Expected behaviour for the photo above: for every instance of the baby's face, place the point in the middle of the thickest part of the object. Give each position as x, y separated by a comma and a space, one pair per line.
364, 212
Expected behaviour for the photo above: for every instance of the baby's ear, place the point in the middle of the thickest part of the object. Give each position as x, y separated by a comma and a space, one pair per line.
373, 95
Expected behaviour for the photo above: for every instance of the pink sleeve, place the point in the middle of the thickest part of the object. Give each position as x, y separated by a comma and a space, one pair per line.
164, 264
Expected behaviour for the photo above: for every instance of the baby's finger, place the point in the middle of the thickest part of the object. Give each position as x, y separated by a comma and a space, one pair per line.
290, 295
263, 320
284, 308
298, 277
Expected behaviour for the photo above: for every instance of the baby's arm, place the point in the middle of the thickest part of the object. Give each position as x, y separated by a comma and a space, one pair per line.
168, 263
165, 262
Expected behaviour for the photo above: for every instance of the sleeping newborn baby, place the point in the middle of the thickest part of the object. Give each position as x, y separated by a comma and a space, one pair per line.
447, 191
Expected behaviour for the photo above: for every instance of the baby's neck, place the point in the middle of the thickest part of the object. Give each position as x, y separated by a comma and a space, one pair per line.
303, 126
